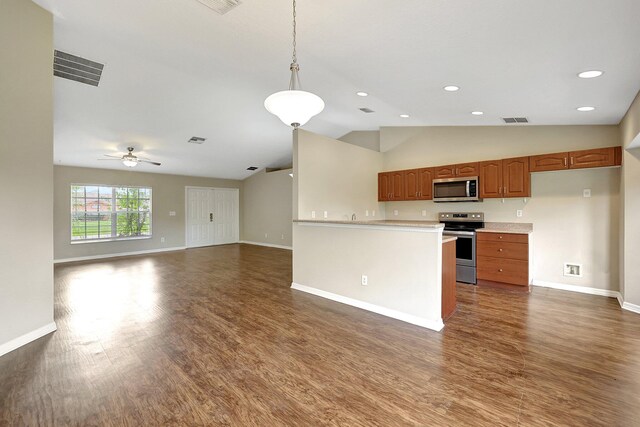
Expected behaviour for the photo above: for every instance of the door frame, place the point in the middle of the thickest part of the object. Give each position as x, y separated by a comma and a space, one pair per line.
186, 211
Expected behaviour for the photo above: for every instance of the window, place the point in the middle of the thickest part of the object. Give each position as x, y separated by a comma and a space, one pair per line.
102, 212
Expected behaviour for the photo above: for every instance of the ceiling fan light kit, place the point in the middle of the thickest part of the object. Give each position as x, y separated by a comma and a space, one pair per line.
130, 160
294, 106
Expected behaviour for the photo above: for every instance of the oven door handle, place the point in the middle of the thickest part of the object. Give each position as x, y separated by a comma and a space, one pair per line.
459, 233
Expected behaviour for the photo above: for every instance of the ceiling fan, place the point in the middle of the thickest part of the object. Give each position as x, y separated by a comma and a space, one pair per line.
130, 160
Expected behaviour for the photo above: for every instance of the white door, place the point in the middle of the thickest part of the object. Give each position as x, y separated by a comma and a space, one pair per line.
212, 216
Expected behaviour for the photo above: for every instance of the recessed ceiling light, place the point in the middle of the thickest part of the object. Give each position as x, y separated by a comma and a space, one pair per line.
451, 88
362, 94
477, 113
404, 116
590, 74
586, 108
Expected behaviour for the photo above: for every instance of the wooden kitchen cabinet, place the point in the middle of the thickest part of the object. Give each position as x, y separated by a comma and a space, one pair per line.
418, 184
448, 279
503, 258
596, 158
456, 171
391, 186
505, 178
425, 178
516, 179
549, 162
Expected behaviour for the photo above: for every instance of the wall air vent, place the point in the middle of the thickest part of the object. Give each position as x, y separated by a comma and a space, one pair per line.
196, 140
512, 120
76, 68
251, 168
366, 110
220, 6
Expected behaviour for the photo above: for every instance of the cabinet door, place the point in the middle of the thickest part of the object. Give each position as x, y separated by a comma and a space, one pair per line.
425, 181
384, 187
467, 169
549, 162
448, 171
490, 179
599, 157
516, 179
412, 184
397, 185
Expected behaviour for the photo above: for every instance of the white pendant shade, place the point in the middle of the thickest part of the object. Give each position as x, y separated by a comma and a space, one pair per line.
130, 162
294, 107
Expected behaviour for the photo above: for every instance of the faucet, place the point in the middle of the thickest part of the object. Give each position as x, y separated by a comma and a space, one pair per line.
353, 217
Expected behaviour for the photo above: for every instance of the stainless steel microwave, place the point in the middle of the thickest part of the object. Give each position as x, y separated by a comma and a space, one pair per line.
456, 189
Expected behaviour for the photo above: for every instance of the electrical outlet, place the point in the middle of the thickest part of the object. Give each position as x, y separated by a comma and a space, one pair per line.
586, 192
172, 213
395, 212
366, 213
313, 214
326, 215
374, 213
364, 280
162, 240
282, 237
424, 212
266, 235
519, 213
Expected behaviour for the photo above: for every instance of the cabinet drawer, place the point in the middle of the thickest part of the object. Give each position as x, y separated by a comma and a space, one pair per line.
502, 270
503, 249
502, 237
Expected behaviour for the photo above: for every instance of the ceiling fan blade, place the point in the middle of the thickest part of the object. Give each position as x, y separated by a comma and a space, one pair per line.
115, 157
118, 158
148, 161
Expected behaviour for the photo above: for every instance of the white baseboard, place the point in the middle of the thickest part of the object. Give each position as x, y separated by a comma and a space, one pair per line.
630, 307
414, 320
119, 254
27, 338
580, 289
269, 245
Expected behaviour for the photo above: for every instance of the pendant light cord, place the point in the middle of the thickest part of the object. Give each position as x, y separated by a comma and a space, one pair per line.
295, 55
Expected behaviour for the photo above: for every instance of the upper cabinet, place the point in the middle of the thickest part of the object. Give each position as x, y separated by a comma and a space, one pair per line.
391, 186
418, 184
453, 171
601, 157
383, 186
505, 178
594, 158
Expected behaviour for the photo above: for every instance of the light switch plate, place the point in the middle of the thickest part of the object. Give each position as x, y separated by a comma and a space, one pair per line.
313, 214
395, 212
172, 213
326, 214
586, 192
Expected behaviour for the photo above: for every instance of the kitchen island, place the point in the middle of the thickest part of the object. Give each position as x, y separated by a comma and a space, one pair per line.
393, 268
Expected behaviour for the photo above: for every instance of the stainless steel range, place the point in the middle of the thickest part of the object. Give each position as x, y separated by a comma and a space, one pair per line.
463, 225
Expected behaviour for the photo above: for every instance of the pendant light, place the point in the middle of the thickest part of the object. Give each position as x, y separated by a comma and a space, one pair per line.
294, 106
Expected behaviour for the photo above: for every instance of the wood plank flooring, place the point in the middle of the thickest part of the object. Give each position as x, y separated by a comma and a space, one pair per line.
215, 336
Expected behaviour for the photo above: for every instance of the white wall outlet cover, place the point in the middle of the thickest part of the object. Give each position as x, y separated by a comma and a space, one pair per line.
364, 280
162, 240
519, 213
395, 212
326, 214
586, 192
172, 213
424, 212
374, 213
366, 213
313, 214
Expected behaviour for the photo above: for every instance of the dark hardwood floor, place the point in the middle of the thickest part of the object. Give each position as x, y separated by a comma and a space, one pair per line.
215, 336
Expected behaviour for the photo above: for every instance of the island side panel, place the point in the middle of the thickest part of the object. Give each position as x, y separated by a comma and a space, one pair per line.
403, 267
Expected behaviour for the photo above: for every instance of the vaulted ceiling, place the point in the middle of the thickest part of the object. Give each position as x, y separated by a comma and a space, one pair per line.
176, 69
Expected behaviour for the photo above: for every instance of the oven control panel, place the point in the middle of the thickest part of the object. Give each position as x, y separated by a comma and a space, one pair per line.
461, 216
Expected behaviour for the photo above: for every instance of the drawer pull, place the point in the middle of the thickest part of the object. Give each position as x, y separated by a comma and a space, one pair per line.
500, 250
499, 237
500, 270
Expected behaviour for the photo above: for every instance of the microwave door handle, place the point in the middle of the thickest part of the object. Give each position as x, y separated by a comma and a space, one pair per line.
468, 194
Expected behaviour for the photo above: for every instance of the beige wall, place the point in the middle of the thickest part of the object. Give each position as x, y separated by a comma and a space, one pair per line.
266, 213
332, 176
168, 195
26, 158
567, 226
630, 133
369, 139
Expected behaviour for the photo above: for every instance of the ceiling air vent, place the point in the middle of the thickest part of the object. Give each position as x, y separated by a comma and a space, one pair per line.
251, 168
76, 68
366, 110
511, 120
220, 6
196, 140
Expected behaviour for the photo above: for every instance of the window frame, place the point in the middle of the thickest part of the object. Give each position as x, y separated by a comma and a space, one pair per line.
114, 212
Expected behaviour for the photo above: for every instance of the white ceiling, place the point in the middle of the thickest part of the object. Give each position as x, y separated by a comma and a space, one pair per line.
175, 69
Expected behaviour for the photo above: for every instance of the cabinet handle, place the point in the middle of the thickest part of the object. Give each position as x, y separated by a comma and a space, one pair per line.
457, 171
500, 270
499, 237
500, 250
571, 160
565, 161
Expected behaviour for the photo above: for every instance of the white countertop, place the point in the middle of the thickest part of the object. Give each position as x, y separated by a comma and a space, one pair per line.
387, 223
507, 227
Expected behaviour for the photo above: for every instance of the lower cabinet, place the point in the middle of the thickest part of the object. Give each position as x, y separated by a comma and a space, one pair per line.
503, 258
